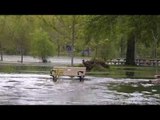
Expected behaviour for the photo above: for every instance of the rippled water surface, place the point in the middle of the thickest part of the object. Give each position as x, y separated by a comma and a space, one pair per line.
39, 89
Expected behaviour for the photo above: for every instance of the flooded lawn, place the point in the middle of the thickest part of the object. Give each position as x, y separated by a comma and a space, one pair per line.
39, 89
32, 85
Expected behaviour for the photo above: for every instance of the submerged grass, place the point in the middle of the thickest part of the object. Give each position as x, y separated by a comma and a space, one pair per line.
126, 72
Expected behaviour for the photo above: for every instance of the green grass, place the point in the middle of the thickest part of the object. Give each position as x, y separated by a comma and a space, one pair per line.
24, 69
112, 71
126, 72
127, 88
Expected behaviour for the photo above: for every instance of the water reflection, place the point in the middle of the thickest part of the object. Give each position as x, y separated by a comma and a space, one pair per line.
35, 89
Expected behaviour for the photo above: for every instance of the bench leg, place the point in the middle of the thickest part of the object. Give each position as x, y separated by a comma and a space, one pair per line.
54, 79
81, 78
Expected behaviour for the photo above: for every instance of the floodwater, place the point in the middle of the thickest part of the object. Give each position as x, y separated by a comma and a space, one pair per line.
39, 89
61, 60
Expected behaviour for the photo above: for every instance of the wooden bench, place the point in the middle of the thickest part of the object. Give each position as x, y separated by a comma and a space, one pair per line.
56, 72
157, 76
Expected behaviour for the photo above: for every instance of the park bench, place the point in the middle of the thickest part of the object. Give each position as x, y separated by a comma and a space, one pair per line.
157, 76
56, 72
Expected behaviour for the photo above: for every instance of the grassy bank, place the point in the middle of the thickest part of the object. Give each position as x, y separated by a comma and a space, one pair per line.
126, 72
112, 71
25, 69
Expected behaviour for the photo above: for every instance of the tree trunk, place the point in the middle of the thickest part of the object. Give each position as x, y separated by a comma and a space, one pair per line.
155, 37
21, 56
58, 49
58, 52
130, 55
73, 39
96, 52
121, 48
88, 52
44, 59
1, 55
1, 51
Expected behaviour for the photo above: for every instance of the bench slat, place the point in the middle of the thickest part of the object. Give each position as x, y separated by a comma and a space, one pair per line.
70, 71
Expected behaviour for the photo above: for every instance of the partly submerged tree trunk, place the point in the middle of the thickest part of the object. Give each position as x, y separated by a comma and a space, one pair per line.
1, 52
130, 55
22, 58
44, 59
1, 55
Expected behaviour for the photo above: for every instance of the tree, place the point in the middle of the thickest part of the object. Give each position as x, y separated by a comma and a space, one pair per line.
117, 29
128, 27
2, 36
57, 29
19, 28
41, 45
66, 28
98, 30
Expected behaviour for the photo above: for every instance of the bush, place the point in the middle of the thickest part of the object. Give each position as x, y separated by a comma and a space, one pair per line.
42, 47
95, 64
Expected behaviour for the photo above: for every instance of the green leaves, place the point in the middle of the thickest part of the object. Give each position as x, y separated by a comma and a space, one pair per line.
107, 35
41, 45
100, 32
